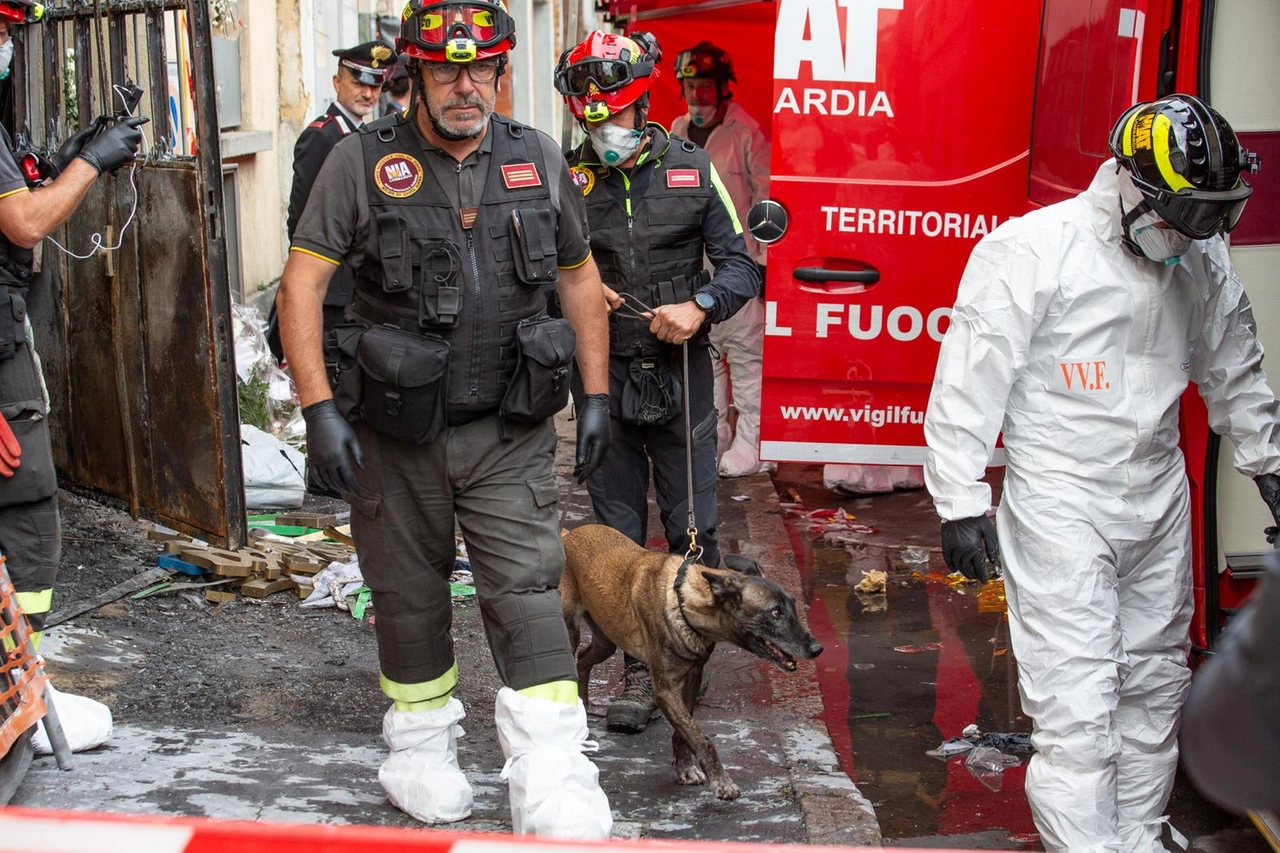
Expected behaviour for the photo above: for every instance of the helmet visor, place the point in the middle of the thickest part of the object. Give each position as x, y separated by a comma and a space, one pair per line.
439, 23
1198, 214
606, 74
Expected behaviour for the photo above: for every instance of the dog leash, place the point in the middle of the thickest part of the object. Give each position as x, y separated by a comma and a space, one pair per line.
628, 309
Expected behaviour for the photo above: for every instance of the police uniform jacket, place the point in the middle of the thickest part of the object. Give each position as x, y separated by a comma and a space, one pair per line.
313, 147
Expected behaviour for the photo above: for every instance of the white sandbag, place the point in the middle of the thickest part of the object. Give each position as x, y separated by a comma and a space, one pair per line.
274, 472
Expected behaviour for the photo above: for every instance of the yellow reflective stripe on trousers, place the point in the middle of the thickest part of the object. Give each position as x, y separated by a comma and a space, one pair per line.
563, 692
35, 603
422, 691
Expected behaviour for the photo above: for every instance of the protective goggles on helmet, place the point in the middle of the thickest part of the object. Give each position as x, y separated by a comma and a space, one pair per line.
1199, 214
447, 26
696, 63
21, 11
607, 75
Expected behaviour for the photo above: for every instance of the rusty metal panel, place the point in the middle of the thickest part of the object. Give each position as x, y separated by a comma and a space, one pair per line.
137, 341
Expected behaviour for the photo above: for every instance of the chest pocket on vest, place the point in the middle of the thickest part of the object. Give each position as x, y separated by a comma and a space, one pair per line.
544, 365
534, 233
405, 383
675, 230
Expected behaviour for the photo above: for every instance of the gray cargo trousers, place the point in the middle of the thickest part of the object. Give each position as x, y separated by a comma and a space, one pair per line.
503, 494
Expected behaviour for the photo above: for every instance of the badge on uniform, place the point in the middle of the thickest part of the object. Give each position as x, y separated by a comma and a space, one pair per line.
398, 175
683, 178
517, 176
583, 178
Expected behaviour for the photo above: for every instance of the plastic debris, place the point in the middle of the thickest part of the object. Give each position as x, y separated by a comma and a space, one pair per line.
332, 584
873, 581
950, 748
991, 597
987, 764
741, 498
917, 648
915, 558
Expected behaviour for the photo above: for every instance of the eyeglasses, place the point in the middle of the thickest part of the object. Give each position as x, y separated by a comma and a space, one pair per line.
448, 72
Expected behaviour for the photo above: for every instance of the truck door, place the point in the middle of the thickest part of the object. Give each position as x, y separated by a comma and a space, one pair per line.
1233, 64
900, 132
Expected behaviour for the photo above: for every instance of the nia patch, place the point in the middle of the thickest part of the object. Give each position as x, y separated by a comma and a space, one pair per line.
398, 175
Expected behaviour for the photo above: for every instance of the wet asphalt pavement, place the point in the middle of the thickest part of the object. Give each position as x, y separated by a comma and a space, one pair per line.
262, 710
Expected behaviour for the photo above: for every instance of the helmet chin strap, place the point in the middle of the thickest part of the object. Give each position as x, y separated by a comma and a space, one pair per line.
1126, 224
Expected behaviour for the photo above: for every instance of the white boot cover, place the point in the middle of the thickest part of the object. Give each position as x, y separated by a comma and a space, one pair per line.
421, 776
554, 788
85, 722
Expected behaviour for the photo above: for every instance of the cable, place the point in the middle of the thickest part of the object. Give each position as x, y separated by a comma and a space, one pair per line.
95, 239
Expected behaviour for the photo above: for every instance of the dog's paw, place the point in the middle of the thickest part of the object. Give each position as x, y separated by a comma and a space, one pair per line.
725, 789
690, 775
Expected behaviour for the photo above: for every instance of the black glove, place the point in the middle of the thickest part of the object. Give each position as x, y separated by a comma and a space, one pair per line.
70, 149
1269, 487
967, 544
331, 447
115, 146
593, 435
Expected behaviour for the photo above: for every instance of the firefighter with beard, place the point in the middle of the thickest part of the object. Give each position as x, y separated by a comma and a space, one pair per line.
434, 402
30, 528
656, 206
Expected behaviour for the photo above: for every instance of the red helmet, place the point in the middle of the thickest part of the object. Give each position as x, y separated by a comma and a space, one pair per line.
21, 11
606, 73
455, 30
706, 60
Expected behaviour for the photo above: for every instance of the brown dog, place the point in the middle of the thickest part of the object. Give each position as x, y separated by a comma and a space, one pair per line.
670, 615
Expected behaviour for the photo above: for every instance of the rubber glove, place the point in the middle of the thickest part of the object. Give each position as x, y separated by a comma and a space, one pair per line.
967, 545
71, 149
1269, 488
331, 447
115, 146
593, 435
10, 450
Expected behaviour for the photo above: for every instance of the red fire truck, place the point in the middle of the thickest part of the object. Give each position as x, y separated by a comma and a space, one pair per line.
905, 130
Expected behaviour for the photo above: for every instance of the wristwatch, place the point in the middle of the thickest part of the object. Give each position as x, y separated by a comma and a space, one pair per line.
705, 301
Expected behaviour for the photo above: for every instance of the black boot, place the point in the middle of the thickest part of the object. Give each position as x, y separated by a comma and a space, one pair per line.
633, 708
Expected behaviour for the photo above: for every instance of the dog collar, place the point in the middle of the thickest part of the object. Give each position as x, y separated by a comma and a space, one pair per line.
681, 574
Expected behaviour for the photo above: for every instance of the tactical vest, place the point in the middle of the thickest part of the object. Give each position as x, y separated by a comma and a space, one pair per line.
15, 261
658, 260
428, 267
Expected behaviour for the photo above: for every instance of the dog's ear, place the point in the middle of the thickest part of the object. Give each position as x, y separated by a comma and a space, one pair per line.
724, 586
742, 563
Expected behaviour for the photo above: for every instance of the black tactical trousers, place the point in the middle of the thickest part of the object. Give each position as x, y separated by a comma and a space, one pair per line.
620, 487
503, 494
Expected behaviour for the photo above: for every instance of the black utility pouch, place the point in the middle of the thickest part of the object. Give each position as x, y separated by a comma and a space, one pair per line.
34, 479
544, 364
440, 290
13, 317
534, 231
341, 345
393, 248
405, 383
651, 395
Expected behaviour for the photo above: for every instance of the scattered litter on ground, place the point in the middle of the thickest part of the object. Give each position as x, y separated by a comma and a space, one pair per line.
915, 558
741, 498
872, 582
987, 764
991, 597
916, 648
973, 738
115, 593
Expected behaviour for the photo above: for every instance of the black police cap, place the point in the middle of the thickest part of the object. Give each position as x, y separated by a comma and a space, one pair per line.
369, 63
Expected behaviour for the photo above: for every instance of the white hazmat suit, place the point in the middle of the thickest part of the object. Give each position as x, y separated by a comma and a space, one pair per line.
740, 152
1079, 351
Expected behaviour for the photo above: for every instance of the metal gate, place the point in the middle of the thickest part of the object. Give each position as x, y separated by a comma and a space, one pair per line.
136, 338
